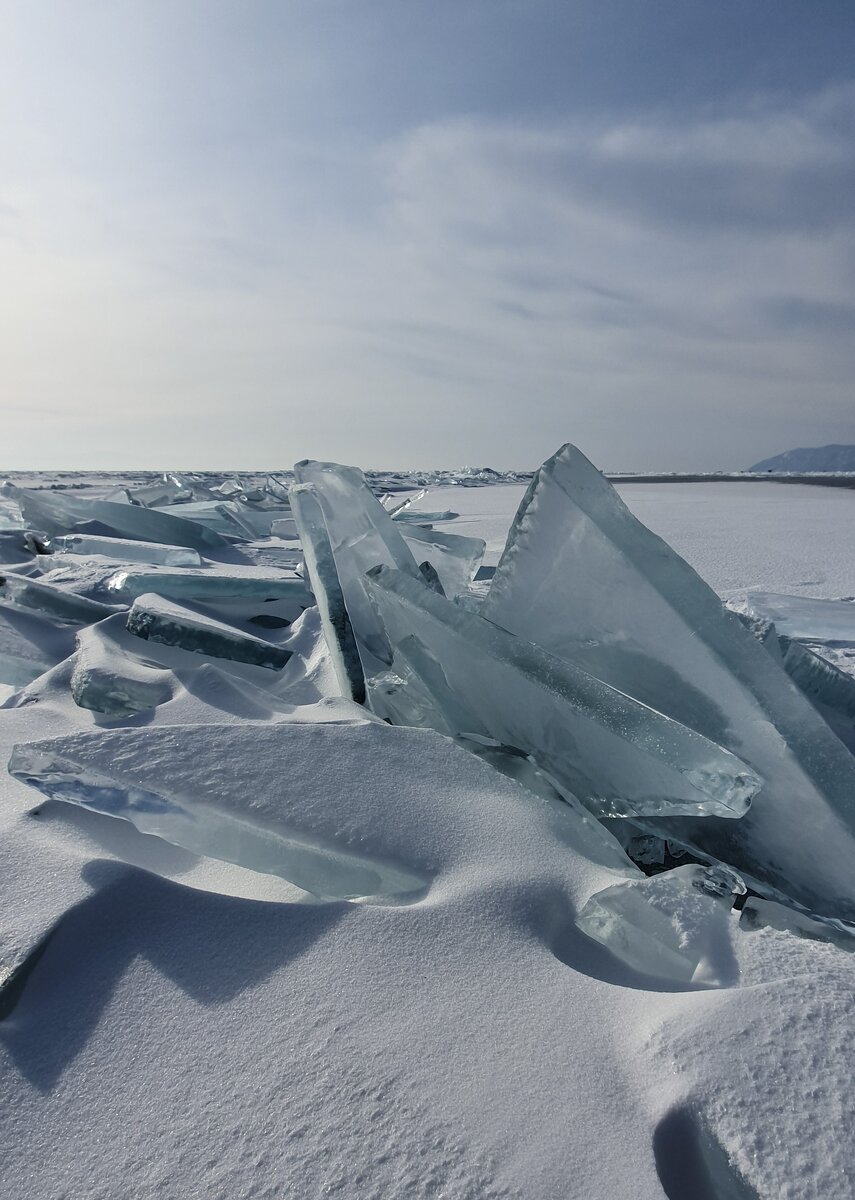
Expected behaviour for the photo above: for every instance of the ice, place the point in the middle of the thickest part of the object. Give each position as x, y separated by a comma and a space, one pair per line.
159, 620
417, 517
59, 514
675, 926
30, 644
108, 680
246, 583
227, 792
53, 600
759, 913
617, 755
126, 550
362, 535
587, 581
803, 619
323, 576
455, 558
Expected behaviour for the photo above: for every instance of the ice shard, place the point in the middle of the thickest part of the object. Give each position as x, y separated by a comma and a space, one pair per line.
803, 619
126, 550
244, 583
454, 558
158, 620
586, 580
30, 644
362, 535
255, 795
617, 755
323, 577
108, 680
60, 514
53, 600
674, 926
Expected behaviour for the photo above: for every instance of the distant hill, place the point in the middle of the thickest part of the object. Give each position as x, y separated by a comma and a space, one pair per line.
812, 458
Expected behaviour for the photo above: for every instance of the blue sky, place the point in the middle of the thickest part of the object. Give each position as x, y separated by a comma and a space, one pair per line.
407, 233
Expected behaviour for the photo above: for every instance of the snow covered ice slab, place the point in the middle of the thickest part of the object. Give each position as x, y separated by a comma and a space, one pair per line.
236, 583
588, 582
126, 550
52, 600
30, 644
674, 926
159, 620
58, 514
255, 795
617, 755
323, 576
803, 619
362, 535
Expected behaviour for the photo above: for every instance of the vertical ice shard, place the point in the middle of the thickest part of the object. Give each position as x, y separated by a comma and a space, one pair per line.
615, 754
362, 535
59, 514
673, 926
323, 577
587, 581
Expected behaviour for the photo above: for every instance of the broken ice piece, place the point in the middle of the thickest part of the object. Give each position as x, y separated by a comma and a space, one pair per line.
618, 756
160, 620
804, 619
126, 550
324, 580
675, 926
455, 558
362, 535
276, 799
108, 680
55, 601
238, 583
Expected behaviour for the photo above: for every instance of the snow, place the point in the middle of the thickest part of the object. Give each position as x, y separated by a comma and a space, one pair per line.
193, 1027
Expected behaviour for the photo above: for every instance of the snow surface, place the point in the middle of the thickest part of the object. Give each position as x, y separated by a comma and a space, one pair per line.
194, 1028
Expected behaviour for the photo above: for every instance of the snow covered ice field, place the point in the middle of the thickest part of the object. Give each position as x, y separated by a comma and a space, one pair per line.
511, 928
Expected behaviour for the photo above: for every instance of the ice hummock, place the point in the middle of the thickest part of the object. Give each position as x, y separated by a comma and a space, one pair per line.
617, 755
582, 577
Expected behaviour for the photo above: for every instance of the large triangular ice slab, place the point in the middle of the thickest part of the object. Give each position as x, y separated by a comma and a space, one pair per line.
586, 580
617, 755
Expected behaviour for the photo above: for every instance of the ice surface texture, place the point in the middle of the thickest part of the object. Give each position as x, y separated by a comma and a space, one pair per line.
617, 755
590, 584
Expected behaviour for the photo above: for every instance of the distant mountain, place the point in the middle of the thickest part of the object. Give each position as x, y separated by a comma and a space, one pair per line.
812, 458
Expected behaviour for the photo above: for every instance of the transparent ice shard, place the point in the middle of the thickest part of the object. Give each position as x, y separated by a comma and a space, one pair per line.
324, 580
587, 581
126, 550
107, 680
618, 756
803, 619
59, 514
758, 912
53, 600
395, 508
362, 535
674, 926
830, 690
455, 558
228, 791
159, 620
417, 517
246, 583
284, 527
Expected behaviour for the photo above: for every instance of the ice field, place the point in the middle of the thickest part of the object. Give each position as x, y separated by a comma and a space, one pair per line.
493, 840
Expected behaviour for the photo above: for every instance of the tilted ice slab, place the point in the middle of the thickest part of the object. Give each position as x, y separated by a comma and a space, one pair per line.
54, 601
587, 581
58, 514
30, 643
803, 619
126, 550
362, 535
615, 754
674, 926
108, 680
159, 620
454, 558
235, 583
326, 586
255, 795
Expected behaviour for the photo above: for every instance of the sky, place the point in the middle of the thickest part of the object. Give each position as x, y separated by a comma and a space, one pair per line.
415, 233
